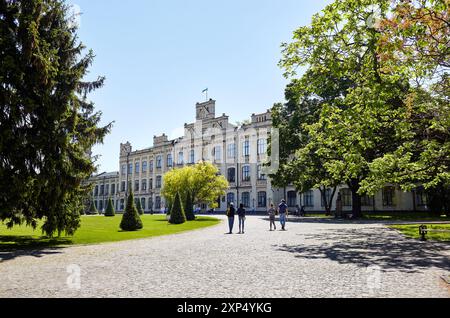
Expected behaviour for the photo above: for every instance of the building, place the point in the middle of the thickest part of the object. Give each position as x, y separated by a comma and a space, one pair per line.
239, 152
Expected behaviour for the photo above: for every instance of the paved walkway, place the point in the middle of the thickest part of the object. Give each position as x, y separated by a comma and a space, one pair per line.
313, 259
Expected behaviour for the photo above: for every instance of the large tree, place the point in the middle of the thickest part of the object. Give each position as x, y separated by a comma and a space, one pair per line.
47, 124
202, 182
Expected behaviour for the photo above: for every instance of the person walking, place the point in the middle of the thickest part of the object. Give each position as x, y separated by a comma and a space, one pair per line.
241, 214
230, 214
283, 210
272, 213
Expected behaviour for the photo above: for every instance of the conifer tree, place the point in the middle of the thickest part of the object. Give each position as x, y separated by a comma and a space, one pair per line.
189, 208
139, 207
130, 219
110, 211
177, 215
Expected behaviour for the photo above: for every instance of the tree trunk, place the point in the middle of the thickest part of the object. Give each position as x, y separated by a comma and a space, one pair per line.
356, 198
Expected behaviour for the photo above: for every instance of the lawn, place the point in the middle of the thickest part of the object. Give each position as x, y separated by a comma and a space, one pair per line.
412, 231
98, 229
403, 216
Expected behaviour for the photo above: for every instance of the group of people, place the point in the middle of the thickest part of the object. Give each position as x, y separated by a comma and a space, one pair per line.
282, 211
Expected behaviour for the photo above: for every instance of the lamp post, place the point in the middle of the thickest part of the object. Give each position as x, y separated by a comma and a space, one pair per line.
127, 149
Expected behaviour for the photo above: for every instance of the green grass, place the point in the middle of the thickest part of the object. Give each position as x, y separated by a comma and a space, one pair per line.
97, 229
403, 216
412, 231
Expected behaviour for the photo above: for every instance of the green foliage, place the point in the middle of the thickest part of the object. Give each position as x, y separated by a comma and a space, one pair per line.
139, 207
130, 219
93, 209
177, 215
189, 208
202, 181
110, 211
48, 126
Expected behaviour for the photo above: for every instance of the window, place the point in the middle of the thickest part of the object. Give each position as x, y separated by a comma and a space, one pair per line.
217, 153
102, 189
124, 170
292, 198
122, 204
137, 167
262, 199
158, 182
136, 185
262, 146
421, 197
261, 175
346, 197
144, 166
327, 197
246, 147
113, 189
144, 185
231, 175
151, 166
246, 173
100, 205
192, 156
158, 162
96, 191
308, 198
150, 204
231, 151
246, 199
230, 198
367, 200
130, 168
180, 158
158, 203
389, 196
107, 189
169, 160
143, 204
123, 186
150, 184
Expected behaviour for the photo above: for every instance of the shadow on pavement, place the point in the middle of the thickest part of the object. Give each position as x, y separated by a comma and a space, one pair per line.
12, 247
371, 246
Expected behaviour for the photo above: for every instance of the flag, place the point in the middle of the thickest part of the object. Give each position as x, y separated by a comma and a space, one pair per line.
205, 90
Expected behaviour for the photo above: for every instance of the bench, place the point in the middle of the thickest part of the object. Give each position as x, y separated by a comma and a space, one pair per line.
423, 231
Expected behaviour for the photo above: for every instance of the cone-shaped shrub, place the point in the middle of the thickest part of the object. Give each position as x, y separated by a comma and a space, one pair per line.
177, 215
189, 208
139, 207
93, 210
110, 209
130, 219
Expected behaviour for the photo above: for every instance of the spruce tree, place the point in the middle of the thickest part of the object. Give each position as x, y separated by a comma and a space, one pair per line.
130, 219
189, 208
48, 126
177, 215
93, 209
110, 211
139, 207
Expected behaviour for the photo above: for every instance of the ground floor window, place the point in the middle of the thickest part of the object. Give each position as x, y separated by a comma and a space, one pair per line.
262, 199
246, 199
292, 198
367, 200
158, 203
327, 197
346, 197
389, 196
308, 198
143, 204
122, 204
421, 197
230, 198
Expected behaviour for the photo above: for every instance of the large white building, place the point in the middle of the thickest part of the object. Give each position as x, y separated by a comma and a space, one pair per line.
240, 153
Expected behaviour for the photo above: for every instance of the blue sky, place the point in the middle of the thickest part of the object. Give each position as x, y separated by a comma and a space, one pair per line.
158, 56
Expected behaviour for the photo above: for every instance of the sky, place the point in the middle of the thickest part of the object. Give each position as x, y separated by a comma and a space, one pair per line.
159, 55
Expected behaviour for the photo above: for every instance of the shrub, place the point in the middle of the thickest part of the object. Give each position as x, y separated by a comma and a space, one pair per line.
130, 219
177, 215
110, 209
139, 207
189, 208
92, 209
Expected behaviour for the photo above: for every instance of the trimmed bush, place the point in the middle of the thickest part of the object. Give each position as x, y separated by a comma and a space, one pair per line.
189, 208
92, 209
110, 209
139, 207
130, 219
177, 215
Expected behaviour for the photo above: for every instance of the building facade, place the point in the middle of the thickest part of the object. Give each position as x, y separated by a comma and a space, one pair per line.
240, 153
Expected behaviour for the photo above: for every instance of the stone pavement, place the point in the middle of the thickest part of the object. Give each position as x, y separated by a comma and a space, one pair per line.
315, 258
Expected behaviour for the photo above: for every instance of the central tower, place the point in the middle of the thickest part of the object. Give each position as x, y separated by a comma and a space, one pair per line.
206, 110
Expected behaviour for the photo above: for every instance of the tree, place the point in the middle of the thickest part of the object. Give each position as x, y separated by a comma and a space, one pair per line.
139, 207
130, 219
201, 181
189, 208
110, 211
363, 110
48, 126
177, 215
93, 209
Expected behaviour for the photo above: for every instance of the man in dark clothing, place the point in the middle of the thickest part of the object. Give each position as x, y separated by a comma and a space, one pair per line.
283, 210
230, 214
241, 214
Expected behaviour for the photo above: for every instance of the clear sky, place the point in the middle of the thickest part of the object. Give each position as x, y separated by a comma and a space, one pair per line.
158, 56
